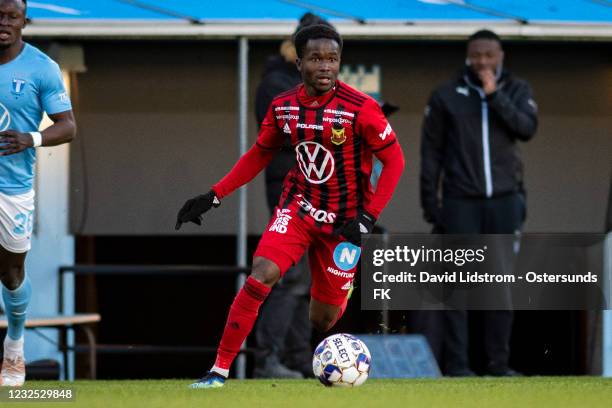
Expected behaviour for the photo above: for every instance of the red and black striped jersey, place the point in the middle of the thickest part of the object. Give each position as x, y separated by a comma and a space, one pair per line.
334, 137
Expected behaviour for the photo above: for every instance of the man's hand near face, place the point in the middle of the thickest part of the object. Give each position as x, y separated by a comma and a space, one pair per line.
489, 82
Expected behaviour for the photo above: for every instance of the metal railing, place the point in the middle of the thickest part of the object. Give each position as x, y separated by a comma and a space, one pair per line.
149, 270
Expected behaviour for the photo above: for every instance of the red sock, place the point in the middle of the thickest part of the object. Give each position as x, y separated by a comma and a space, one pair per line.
240, 321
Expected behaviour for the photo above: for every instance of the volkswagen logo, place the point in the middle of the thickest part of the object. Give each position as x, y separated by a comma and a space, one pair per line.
315, 161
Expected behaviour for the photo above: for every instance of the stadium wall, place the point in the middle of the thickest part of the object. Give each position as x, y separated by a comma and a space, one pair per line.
158, 123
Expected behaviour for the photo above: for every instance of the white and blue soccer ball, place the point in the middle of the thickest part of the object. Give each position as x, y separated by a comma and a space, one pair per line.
342, 360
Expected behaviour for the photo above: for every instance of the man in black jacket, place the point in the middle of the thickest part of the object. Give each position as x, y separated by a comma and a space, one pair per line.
469, 142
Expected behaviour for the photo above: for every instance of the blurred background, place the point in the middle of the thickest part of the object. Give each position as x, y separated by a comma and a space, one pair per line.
163, 95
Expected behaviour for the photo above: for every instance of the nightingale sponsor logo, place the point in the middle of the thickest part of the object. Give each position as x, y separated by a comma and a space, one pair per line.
346, 255
340, 274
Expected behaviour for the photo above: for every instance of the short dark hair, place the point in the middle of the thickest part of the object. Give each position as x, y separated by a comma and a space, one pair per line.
484, 35
314, 32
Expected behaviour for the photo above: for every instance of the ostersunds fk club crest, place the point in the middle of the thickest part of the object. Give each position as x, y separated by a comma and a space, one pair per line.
338, 137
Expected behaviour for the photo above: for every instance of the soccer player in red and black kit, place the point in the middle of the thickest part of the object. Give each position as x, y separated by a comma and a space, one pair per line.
327, 201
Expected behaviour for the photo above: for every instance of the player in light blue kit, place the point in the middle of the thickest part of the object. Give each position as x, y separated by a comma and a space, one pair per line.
30, 84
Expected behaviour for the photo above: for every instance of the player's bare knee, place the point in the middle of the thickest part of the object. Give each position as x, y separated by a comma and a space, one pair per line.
12, 276
265, 271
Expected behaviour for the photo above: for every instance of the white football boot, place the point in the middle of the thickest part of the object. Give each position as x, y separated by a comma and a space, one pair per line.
13, 365
13, 372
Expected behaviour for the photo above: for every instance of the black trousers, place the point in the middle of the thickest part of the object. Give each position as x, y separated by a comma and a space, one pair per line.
503, 215
283, 329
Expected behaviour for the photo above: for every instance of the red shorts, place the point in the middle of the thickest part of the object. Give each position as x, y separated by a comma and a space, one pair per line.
333, 261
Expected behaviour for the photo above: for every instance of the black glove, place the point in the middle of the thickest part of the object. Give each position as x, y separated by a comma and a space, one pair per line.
351, 230
193, 209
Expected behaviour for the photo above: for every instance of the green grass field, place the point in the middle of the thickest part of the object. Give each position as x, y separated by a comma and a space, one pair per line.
541, 392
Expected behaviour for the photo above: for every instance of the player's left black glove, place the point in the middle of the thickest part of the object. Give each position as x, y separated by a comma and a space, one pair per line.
194, 208
351, 230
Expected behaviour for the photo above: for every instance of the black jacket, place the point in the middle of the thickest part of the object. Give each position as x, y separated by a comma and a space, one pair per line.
279, 76
470, 140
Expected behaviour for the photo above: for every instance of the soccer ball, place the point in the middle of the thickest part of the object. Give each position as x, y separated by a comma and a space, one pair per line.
341, 360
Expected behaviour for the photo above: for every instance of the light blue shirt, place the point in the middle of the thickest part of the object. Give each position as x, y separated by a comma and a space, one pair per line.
29, 85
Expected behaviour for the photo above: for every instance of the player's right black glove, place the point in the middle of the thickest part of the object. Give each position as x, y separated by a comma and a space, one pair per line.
194, 208
352, 229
